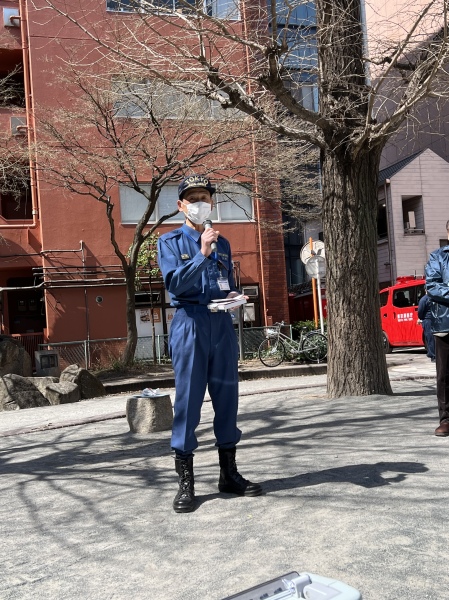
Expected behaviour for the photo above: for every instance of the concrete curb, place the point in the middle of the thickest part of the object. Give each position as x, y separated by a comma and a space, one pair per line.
62, 424
138, 384
122, 414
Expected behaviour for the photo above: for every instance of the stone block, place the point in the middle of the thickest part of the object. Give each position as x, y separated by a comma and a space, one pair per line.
42, 382
149, 414
89, 385
14, 359
63, 392
18, 392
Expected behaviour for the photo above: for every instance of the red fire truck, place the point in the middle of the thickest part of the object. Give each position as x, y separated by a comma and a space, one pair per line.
399, 313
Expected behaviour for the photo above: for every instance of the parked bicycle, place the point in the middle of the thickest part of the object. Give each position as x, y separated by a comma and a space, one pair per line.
278, 347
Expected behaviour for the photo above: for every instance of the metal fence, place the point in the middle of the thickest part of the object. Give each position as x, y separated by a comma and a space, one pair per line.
30, 341
254, 336
98, 354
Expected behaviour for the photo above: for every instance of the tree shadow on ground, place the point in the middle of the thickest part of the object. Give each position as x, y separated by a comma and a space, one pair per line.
364, 475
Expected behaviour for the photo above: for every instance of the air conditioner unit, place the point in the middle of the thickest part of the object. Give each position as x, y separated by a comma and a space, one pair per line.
18, 126
47, 363
11, 17
252, 291
411, 219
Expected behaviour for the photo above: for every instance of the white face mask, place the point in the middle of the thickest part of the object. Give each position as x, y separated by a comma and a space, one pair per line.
198, 212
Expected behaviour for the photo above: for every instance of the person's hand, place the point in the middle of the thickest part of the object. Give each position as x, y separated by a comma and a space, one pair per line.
207, 237
235, 294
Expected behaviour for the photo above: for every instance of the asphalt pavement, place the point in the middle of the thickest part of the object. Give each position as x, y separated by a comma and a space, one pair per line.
354, 489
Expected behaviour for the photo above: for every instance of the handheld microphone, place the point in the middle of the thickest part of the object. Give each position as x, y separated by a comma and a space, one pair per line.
208, 225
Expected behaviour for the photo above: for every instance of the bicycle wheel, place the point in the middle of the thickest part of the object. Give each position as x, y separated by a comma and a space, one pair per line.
314, 347
271, 352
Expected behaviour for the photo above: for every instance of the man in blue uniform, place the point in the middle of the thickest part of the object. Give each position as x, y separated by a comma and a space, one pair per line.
203, 344
437, 286
425, 318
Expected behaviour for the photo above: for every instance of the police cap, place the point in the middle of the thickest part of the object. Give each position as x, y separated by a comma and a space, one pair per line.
195, 181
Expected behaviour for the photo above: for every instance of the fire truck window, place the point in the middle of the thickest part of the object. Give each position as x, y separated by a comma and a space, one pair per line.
383, 298
401, 298
420, 291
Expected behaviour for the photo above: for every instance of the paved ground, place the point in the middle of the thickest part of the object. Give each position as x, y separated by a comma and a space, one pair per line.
355, 489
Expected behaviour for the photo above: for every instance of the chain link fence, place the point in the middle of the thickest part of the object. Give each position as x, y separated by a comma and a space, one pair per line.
100, 354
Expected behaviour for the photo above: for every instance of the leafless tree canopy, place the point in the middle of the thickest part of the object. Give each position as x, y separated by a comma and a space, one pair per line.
122, 131
309, 74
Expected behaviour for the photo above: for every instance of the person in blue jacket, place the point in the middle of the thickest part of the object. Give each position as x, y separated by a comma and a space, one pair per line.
424, 317
203, 344
437, 285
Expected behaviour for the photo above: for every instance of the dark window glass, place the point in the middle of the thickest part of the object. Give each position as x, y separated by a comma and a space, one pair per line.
406, 296
382, 230
383, 298
17, 205
420, 291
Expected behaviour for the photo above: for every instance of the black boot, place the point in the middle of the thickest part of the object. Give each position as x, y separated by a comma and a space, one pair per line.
230, 479
185, 498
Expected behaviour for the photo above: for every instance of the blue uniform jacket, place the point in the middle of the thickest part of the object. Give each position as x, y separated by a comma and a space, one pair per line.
437, 285
190, 277
424, 308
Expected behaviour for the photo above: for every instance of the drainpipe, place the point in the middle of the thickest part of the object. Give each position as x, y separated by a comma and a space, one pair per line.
389, 233
256, 185
86, 305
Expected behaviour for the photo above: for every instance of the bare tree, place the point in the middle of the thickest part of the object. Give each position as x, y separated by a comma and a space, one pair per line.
11, 89
148, 268
121, 132
14, 155
295, 166
251, 57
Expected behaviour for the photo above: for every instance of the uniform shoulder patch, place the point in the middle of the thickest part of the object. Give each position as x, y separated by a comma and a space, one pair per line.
171, 234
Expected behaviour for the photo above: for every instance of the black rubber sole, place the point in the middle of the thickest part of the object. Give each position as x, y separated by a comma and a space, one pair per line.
228, 490
184, 509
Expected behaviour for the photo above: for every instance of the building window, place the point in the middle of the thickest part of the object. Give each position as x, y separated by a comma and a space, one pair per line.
301, 14
16, 205
413, 214
303, 88
222, 9
140, 100
409, 296
383, 298
382, 226
231, 205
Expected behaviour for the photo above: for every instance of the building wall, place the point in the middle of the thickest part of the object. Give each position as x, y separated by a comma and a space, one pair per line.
71, 233
425, 178
384, 263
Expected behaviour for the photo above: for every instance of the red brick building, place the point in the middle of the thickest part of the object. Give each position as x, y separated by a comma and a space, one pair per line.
60, 279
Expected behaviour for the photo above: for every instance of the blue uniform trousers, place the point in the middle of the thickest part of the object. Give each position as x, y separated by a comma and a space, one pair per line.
430, 338
204, 352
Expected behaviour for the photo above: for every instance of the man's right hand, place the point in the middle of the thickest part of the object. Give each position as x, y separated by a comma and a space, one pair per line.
207, 237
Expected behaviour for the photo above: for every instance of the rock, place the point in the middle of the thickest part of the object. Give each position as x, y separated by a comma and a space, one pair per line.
149, 414
63, 392
14, 359
42, 382
18, 392
90, 386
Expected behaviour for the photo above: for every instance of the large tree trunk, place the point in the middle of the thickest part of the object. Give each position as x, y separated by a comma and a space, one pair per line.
350, 167
356, 359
